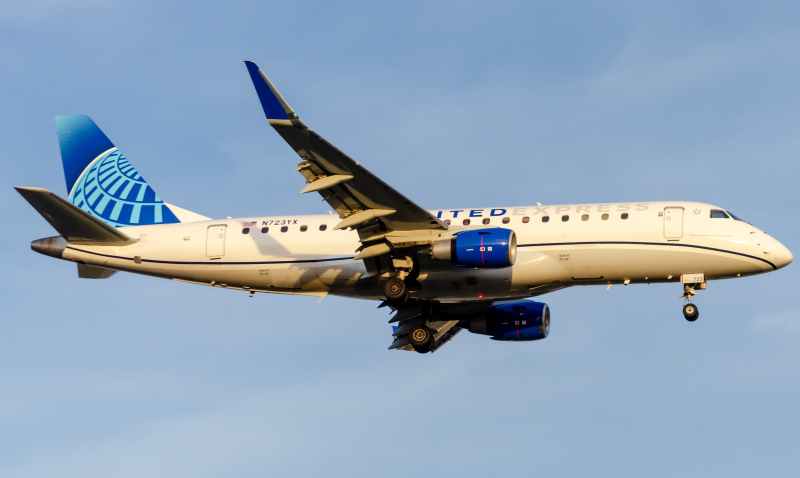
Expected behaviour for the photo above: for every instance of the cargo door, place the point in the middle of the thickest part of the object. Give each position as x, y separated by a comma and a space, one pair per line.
673, 223
215, 241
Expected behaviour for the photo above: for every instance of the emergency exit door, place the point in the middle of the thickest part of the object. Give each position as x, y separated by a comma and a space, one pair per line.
215, 241
673, 223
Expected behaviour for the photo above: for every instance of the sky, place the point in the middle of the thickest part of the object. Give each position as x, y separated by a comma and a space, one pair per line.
455, 104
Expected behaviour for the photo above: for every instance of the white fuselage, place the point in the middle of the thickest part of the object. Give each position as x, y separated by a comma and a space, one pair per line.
577, 245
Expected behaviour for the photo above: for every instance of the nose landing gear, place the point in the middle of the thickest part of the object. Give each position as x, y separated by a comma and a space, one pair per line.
690, 311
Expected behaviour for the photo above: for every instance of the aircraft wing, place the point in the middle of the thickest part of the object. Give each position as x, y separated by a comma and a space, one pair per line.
363, 201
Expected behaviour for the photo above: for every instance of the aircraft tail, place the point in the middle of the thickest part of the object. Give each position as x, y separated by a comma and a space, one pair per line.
101, 181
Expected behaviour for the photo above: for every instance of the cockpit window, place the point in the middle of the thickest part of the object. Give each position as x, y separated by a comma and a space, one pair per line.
736, 217
719, 214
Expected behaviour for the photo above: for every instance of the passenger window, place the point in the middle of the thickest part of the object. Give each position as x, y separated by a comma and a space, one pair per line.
506, 220
303, 228
526, 220
565, 218
447, 221
466, 222
486, 221
323, 227
604, 217
718, 214
284, 228
264, 230
246, 230
585, 217
545, 218
624, 215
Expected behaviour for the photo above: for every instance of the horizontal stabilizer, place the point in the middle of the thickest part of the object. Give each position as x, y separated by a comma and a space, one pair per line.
92, 272
74, 224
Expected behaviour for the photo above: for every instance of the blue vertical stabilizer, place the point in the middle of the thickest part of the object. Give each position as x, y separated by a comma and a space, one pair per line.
101, 181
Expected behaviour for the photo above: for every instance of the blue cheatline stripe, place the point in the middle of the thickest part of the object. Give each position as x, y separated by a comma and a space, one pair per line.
212, 263
648, 244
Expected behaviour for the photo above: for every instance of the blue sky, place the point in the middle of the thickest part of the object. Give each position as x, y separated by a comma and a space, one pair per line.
454, 104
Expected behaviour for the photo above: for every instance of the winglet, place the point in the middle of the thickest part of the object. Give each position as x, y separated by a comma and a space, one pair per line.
275, 107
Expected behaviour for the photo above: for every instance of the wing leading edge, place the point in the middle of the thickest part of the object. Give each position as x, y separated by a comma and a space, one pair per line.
363, 201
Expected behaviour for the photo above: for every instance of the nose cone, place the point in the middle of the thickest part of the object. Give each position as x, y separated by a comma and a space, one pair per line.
783, 257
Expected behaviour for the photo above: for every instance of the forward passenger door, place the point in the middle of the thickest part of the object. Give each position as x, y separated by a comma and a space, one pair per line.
673, 223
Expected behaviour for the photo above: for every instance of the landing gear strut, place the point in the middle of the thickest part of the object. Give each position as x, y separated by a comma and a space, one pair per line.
690, 311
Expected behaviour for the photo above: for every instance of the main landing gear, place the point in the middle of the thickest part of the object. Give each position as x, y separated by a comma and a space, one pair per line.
690, 311
396, 292
397, 288
421, 338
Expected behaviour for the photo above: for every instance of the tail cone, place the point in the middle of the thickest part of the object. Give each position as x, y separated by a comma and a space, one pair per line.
50, 246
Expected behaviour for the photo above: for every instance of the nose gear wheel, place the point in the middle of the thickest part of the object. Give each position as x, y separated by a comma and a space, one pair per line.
690, 311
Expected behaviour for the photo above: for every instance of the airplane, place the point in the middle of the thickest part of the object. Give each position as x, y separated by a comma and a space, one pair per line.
439, 271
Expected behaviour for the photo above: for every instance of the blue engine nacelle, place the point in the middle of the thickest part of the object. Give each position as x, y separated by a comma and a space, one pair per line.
485, 248
512, 321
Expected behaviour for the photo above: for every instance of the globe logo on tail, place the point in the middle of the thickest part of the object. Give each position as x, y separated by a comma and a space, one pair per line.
111, 189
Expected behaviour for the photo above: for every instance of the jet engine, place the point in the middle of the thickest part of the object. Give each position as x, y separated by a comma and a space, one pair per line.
492, 248
513, 321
